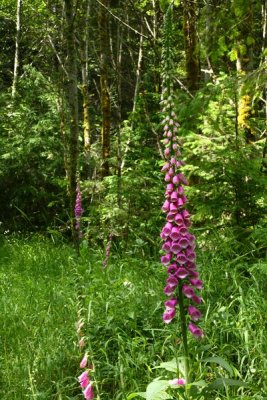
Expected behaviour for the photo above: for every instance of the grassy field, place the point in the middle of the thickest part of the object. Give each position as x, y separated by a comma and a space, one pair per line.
46, 289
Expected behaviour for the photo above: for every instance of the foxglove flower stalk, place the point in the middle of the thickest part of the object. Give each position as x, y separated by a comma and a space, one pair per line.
107, 255
178, 247
78, 211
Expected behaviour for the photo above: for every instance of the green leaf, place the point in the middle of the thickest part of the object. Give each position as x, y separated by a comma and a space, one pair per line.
219, 360
174, 365
221, 382
157, 390
133, 395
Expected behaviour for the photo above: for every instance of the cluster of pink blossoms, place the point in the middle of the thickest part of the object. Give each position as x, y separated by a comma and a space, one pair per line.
85, 381
78, 209
179, 243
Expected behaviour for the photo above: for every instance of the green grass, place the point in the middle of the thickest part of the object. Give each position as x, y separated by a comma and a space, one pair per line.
45, 288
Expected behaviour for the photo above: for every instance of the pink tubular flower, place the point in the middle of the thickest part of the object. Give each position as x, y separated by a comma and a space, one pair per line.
83, 363
169, 315
171, 303
84, 379
177, 382
88, 392
194, 313
188, 291
195, 330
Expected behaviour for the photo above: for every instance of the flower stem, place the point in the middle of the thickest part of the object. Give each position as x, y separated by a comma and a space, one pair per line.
184, 331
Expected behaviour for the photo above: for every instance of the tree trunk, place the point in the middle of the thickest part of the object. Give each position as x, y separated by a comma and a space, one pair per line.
191, 44
17, 48
72, 98
244, 65
104, 89
84, 87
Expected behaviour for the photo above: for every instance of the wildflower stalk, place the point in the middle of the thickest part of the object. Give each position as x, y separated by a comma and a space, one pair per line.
178, 243
184, 332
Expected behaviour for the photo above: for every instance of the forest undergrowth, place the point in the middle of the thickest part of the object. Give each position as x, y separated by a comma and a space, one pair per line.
45, 289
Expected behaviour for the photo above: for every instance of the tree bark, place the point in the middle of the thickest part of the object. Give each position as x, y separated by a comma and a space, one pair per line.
17, 48
191, 44
104, 89
72, 98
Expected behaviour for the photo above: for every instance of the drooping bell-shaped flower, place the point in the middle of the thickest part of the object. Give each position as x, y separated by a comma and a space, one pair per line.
195, 330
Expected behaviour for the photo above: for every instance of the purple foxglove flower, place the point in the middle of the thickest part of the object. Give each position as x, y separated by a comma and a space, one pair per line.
174, 197
81, 343
166, 128
188, 291
167, 195
166, 206
172, 269
83, 363
169, 134
166, 259
190, 255
173, 161
167, 246
167, 178
170, 188
175, 129
88, 392
178, 153
170, 216
178, 164
195, 330
173, 208
191, 238
166, 230
180, 202
175, 180
180, 189
183, 242
176, 248
171, 171
168, 290
177, 382
185, 214
196, 299
165, 167
175, 234
168, 315
171, 122
175, 146
182, 178
181, 273
194, 313
178, 219
183, 231
170, 304
84, 379
165, 141
172, 281
187, 222
181, 258
167, 152
194, 274
197, 283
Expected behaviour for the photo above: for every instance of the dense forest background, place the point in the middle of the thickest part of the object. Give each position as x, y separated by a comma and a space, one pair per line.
80, 101
80, 109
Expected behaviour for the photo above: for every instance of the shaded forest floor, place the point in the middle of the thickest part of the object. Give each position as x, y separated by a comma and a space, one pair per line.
46, 289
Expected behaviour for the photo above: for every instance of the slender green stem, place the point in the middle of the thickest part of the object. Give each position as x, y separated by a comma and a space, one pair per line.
184, 331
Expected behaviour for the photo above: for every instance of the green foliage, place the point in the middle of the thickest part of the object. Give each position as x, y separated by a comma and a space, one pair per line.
45, 287
31, 162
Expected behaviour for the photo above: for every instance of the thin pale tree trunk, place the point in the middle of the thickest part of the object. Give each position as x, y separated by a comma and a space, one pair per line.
17, 48
72, 98
104, 89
